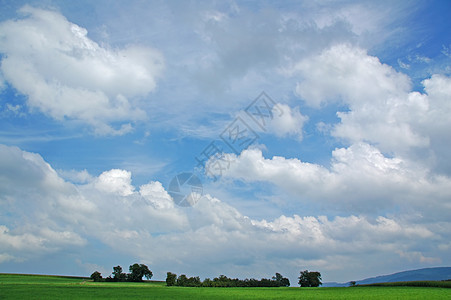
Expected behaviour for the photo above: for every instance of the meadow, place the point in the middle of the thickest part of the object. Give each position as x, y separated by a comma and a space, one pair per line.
15, 286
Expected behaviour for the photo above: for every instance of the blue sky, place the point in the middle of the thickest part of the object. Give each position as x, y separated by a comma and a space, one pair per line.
102, 103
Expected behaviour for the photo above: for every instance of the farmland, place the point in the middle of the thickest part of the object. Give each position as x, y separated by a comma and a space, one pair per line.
14, 286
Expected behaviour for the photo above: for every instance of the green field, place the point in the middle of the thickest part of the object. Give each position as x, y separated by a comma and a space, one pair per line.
441, 284
54, 287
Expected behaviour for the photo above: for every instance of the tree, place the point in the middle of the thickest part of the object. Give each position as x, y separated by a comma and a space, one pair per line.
181, 280
193, 281
277, 278
207, 282
352, 283
310, 279
96, 276
171, 279
280, 280
118, 275
137, 271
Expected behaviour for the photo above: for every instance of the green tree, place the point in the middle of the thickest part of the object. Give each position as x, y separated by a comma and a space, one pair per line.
137, 271
96, 276
280, 280
171, 279
207, 282
181, 280
194, 281
277, 278
310, 279
118, 275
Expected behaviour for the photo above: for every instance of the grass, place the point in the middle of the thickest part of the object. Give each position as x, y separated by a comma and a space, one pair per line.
14, 286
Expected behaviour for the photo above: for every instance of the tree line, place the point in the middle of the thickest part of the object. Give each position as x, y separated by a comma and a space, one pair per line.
138, 271
223, 281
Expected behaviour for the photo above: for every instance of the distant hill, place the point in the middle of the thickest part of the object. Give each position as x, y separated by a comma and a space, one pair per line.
439, 273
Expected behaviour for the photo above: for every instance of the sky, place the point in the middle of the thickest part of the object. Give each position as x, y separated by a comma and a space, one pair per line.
315, 135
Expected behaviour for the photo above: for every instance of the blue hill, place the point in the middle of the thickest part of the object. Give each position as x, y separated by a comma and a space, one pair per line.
439, 273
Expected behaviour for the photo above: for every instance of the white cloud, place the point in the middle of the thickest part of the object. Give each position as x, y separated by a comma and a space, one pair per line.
348, 74
66, 75
115, 181
446, 51
403, 65
2, 83
5, 257
220, 58
382, 109
36, 242
155, 193
422, 59
278, 119
244, 50
76, 176
287, 121
360, 179
435, 122
54, 215
15, 109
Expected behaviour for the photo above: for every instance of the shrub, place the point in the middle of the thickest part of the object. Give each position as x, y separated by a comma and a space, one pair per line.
96, 276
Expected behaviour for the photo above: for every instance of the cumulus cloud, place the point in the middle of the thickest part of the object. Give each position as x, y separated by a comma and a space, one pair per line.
287, 121
76, 176
435, 123
31, 191
349, 74
360, 179
246, 40
66, 75
382, 108
274, 118
155, 193
246, 47
115, 181
54, 215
